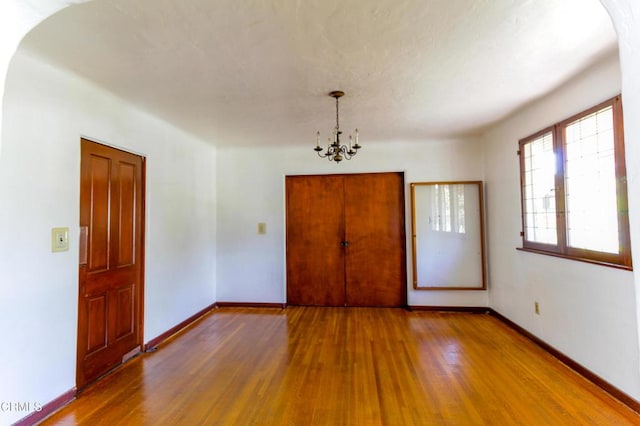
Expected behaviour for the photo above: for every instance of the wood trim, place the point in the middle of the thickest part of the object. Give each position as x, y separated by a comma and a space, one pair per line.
47, 409
143, 253
483, 237
152, 344
621, 184
578, 368
579, 259
467, 309
450, 288
551, 248
414, 242
250, 305
560, 153
575, 117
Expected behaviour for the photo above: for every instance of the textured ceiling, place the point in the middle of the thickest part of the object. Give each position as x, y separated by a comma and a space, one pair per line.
257, 72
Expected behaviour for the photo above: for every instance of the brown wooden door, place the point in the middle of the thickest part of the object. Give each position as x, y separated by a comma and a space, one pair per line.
346, 240
111, 252
315, 227
375, 263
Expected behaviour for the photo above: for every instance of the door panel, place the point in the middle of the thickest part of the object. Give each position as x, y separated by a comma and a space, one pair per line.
99, 215
127, 213
109, 305
374, 226
125, 310
315, 228
97, 323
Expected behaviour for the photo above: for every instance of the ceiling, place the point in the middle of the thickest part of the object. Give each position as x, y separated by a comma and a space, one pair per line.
257, 72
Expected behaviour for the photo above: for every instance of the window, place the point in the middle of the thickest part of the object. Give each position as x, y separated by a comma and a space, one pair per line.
447, 208
573, 186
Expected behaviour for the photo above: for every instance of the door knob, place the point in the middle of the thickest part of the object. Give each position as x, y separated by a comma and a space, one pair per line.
344, 243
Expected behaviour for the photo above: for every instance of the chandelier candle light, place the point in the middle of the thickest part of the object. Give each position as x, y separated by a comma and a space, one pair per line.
335, 151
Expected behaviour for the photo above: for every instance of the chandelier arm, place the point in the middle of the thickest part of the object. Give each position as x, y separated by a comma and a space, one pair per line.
348, 153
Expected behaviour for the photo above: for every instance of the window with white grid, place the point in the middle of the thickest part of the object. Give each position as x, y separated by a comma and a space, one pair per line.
539, 164
573, 186
590, 183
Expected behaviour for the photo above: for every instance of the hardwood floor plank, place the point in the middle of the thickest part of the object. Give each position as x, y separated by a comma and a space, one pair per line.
345, 366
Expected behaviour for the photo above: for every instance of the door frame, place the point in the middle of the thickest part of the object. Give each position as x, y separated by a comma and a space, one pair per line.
402, 173
143, 244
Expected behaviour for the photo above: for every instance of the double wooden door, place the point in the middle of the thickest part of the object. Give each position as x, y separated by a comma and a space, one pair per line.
111, 259
346, 240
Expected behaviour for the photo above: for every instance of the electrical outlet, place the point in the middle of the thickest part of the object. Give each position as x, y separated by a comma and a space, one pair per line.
536, 307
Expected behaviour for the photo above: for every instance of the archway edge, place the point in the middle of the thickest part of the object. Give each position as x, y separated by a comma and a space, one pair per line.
625, 15
17, 18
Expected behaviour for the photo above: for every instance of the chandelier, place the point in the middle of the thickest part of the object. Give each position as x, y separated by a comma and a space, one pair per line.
335, 151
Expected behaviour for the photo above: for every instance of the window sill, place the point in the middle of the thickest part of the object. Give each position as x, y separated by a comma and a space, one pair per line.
579, 259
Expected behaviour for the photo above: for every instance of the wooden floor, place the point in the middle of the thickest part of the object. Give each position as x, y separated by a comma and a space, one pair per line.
345, 366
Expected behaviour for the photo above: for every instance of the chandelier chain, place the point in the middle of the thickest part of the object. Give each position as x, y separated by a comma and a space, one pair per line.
337, 116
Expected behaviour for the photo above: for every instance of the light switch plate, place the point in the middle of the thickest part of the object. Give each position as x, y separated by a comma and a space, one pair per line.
59, 239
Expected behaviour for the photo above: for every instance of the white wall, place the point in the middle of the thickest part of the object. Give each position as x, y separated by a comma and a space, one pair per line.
251, 267
15, 23
46, 111
586, 311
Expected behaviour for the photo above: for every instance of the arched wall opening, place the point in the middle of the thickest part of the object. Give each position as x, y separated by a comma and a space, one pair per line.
16, 20
19, 20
